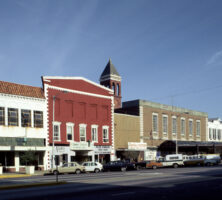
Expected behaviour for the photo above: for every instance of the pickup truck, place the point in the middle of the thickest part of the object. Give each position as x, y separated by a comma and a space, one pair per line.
173, 160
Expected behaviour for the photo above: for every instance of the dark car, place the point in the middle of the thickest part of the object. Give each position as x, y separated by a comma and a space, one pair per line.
118, 166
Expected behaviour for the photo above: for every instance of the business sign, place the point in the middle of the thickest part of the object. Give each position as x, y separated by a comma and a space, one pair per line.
137, 146
81, 146
102, 149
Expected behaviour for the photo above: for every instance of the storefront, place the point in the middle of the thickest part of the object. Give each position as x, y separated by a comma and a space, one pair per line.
102, 153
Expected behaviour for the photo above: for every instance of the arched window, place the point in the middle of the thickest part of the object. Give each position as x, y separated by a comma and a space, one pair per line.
117, 89
114, 88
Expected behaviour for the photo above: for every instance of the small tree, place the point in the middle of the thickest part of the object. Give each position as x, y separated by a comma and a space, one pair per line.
29, 158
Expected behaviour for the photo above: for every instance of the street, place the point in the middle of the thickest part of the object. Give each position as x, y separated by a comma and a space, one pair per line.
165, 183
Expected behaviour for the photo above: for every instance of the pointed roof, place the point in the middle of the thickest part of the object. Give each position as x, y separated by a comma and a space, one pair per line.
109, 70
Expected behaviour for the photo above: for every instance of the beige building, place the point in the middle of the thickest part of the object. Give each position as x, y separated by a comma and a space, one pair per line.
154, 125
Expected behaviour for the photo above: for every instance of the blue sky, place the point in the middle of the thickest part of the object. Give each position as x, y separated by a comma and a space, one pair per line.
167, 51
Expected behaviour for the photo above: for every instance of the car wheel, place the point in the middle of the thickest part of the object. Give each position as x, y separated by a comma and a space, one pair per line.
208, 164
55, 172
123, 169
175, 165
78, 171
154, 166
96, 170
138, 167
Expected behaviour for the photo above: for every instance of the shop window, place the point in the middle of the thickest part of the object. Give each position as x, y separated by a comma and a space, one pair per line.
105, 134
13, 117
38, 119
2, 116
26, 118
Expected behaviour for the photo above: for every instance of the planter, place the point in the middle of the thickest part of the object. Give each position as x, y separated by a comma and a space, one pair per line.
30, 169
1, 169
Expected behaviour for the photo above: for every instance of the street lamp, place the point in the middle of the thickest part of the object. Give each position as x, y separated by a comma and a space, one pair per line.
53, 122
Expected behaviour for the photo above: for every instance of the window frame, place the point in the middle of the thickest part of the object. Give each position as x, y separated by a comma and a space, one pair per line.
105, 139
155, 129
36, 113
71, 125
11, 110
82, 127
165, 125
56, 124
190, 127
92, 135
198, 131
182, 128
174, 125
29, 124
2, 110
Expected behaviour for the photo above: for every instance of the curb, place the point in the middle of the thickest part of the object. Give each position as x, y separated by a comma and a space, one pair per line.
14, 176
8, 187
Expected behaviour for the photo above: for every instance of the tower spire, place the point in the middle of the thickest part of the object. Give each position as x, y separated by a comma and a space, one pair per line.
111, 78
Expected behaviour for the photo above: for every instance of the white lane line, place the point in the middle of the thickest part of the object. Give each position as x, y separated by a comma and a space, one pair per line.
124, 193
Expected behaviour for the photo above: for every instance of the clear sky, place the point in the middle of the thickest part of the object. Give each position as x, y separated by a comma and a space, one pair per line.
167, 51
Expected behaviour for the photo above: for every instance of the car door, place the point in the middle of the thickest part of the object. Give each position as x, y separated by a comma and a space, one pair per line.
87, 166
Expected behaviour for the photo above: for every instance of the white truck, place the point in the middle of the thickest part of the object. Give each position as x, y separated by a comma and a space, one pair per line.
171, 160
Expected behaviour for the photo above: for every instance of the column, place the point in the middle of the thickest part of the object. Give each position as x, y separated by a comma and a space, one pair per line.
17, 163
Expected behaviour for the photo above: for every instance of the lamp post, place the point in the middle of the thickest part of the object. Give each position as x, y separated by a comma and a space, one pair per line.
53, 128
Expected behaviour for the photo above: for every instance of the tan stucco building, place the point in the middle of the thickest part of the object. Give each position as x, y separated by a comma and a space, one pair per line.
145, 126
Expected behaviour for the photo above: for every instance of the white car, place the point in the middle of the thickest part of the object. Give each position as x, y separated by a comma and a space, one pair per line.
92, 167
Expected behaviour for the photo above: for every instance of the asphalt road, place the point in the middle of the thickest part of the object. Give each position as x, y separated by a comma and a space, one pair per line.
167, 183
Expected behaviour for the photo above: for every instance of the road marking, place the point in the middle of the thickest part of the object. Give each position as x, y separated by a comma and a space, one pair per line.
124, 193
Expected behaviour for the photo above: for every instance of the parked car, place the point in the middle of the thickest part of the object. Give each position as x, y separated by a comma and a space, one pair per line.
92, 167
118, 166
72, 167
141, 165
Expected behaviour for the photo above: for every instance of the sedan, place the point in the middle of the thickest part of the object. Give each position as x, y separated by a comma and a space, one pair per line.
72, 167
92, 167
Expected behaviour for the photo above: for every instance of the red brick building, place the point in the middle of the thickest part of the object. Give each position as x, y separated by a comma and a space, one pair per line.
81, 113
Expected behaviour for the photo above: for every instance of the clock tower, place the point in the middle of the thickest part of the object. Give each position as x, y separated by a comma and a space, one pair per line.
110, 78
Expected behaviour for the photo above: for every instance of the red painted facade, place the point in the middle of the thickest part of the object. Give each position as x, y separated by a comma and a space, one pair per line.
84, 103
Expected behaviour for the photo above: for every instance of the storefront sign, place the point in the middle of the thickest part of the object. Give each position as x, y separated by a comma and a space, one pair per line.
60, 149
137, 146
102, 149
81, 146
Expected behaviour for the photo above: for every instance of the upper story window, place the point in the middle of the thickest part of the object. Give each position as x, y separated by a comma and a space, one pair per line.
219, 134
182, 126
190, 127
82, 132
214, 134
38, 119
114, 88
94, 132
56, 131
2, 116
155, 122
69, 131
210, 133
198, 128
174, 125
165, 124
12, 117
26, 118
105, 134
